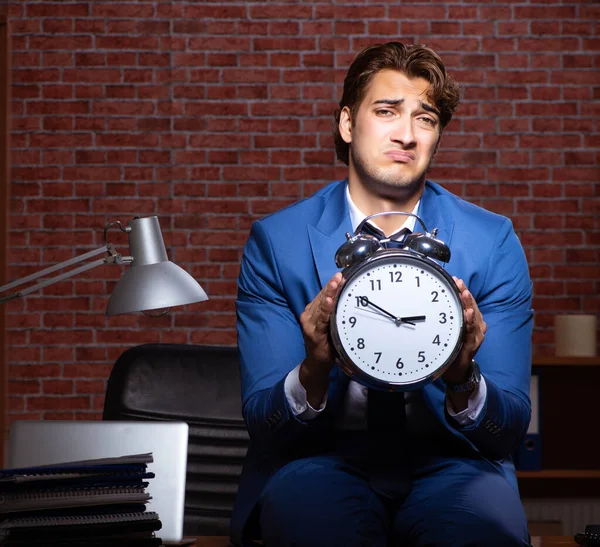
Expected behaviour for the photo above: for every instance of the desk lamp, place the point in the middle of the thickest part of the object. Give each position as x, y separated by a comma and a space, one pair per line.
152, 281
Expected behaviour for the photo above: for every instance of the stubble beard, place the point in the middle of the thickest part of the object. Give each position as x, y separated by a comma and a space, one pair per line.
385, 183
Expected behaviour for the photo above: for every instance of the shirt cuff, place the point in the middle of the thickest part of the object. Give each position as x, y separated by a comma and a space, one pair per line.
475, 405
296, 397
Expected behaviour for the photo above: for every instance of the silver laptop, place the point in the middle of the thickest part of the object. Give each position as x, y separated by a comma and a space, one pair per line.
35, 442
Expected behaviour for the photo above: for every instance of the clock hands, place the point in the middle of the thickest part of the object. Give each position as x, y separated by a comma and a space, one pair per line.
398, 320
365, 301
413, 318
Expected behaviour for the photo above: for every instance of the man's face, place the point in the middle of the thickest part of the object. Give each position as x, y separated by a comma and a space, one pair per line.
394, 134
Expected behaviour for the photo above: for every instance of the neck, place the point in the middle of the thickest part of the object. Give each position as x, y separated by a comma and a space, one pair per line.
394, 199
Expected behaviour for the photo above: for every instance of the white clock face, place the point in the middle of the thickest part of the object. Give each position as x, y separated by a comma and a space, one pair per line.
399, 321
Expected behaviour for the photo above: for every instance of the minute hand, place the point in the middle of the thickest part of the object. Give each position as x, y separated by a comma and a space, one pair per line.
364, 298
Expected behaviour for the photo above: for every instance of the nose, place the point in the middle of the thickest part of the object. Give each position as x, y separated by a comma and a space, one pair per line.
403, 132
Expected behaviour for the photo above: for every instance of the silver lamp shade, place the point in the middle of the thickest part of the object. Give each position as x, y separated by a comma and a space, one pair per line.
152, 281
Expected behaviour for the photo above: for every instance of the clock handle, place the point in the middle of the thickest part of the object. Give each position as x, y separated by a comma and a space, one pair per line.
359, 246
388, 213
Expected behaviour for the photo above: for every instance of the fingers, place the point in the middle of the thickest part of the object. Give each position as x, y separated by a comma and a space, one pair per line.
315, 321
475, 326
325, 302
466, 297
330, 290
325, 298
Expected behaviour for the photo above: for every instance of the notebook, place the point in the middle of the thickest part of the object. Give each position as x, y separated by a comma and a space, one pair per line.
35, 442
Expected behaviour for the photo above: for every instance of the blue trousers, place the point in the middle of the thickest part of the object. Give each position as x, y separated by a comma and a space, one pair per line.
329, 501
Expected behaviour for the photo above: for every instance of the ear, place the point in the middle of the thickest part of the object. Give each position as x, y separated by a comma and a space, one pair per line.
345, 125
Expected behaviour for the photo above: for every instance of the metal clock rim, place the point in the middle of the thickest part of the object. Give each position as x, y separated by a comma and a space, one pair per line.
344, 360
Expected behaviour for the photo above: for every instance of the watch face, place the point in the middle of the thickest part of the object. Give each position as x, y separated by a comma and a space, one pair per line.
398, 321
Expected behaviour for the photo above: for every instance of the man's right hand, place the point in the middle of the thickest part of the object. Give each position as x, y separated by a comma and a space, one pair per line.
320, 355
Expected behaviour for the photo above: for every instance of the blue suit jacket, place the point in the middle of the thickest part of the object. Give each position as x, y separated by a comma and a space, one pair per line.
289, 257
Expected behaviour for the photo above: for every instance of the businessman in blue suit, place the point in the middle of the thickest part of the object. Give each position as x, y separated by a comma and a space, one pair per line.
443, 474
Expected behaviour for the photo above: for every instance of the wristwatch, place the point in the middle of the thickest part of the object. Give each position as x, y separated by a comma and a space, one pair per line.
471, 383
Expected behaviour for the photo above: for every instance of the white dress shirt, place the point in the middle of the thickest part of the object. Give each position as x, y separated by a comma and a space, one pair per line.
355, 404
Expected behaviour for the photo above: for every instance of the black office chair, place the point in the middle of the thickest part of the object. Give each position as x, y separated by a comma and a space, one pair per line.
199, 385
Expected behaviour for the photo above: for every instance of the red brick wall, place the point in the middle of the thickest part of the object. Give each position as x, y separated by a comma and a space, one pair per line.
212, 114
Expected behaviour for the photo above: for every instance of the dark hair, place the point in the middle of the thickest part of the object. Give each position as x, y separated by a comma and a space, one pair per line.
415, 61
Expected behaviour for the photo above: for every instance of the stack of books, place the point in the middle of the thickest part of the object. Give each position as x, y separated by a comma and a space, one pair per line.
89, 503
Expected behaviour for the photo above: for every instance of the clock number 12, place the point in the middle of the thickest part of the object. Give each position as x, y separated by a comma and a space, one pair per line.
396, 277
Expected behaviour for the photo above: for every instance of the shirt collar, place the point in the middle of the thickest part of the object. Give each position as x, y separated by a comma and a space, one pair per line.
357, 216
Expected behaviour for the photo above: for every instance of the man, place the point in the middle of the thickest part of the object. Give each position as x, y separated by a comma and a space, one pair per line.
315, 473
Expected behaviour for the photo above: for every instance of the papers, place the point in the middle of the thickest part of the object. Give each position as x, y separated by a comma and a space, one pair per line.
73, 502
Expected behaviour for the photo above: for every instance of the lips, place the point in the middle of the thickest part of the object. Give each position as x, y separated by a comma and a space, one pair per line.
400, 155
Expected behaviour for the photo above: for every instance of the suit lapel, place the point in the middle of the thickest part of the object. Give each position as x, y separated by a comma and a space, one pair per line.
433, 215
329, 233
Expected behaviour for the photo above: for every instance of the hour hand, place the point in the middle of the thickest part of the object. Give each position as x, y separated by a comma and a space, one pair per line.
411, 319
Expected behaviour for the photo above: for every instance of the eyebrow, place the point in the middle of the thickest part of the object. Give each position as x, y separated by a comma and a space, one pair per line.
396, 102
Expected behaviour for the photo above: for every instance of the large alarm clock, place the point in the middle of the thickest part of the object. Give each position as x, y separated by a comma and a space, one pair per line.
397, 322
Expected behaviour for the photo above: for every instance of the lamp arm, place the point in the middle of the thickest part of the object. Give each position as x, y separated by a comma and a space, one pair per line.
113, 258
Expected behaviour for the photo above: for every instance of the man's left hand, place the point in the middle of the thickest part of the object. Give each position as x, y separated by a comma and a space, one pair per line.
475, 329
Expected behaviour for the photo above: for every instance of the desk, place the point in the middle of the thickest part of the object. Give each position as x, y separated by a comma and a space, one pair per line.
546, 541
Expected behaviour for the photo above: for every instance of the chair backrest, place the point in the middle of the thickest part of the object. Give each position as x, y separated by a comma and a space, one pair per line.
201, 386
